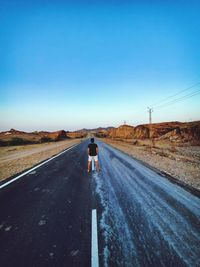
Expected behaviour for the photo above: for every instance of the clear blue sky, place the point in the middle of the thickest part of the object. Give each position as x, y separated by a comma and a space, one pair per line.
69, 65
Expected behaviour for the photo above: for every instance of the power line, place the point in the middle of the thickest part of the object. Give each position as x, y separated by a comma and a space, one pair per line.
173, 101
184, 90
178, 99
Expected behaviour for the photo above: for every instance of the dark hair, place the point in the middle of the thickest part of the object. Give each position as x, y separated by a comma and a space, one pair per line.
92, 140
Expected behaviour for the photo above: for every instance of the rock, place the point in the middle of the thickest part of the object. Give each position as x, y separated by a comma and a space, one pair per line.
123, 131
59, 135
141, 132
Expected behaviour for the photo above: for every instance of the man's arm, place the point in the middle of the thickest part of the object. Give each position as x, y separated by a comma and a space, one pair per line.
88, 150
97, 150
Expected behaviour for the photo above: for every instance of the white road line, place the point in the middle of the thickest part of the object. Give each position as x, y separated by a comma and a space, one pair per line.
16, 178
94, 243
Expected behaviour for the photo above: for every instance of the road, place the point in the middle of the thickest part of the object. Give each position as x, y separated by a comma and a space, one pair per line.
142, 218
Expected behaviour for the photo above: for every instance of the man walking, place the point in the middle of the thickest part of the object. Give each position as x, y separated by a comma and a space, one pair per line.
93, 154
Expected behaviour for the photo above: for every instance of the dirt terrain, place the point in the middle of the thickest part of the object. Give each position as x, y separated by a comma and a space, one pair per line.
15, 159
180, 162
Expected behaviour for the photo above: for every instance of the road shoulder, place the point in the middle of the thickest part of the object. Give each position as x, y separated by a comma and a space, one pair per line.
186, 174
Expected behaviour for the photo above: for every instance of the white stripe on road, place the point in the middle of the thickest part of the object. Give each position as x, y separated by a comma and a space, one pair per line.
94, 244
16, 178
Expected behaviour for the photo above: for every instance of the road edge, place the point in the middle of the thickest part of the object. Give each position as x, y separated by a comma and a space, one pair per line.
11, 179
171, 178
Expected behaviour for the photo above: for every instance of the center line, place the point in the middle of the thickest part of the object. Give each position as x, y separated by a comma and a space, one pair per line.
94, 243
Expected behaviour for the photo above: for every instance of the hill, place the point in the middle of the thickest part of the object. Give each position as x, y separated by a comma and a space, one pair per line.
16, 137
178, 132
172, 131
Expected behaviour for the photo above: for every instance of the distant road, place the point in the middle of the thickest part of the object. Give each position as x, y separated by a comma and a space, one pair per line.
142, 218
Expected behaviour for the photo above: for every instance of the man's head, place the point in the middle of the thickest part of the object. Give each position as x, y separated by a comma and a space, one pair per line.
92, 140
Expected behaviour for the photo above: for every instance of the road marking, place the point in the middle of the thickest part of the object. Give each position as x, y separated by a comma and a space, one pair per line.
94, 243
16, 178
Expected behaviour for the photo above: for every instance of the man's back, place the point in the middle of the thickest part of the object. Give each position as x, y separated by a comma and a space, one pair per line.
92, 149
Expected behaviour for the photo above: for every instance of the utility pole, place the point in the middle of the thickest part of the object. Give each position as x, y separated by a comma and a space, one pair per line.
150, 110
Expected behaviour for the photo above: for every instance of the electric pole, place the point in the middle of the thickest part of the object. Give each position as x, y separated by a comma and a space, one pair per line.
150, 110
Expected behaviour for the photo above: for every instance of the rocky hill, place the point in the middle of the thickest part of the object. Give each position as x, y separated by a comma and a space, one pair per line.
123, 131
15, 137
184, 133
172, 131
76, 134
58, 135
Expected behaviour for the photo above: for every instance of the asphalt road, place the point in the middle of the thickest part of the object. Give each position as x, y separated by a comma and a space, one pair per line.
142, 218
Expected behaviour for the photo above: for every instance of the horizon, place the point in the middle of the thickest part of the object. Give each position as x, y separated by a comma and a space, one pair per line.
90, 129
82, 64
